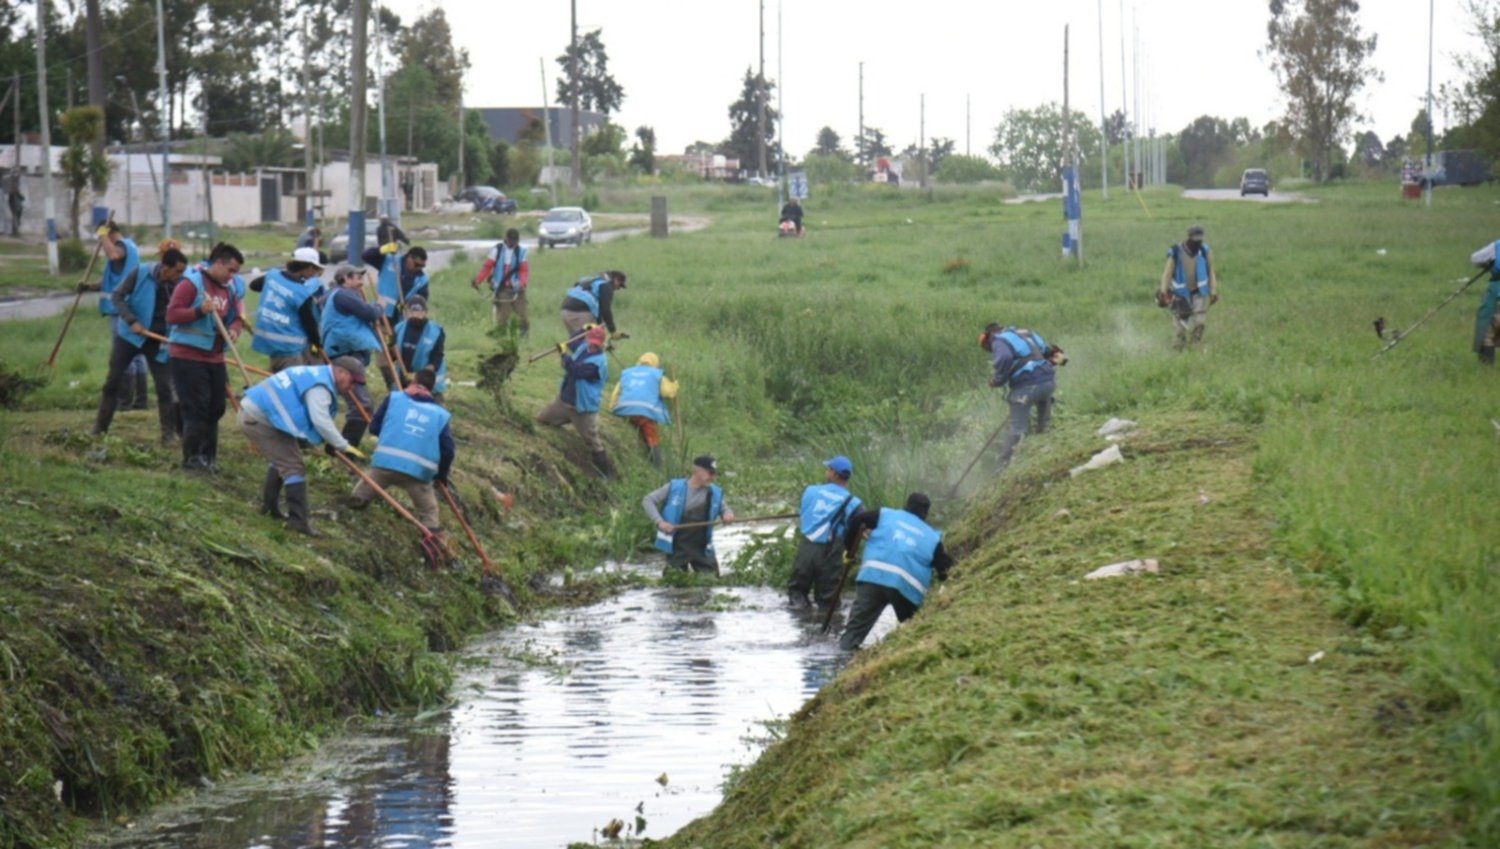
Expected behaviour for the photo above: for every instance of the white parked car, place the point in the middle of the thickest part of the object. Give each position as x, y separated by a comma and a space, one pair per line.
565, 225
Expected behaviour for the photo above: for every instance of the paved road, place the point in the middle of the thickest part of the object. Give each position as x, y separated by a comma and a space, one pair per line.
1234, 194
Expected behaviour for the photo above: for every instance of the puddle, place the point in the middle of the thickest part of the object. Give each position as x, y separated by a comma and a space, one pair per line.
557, 727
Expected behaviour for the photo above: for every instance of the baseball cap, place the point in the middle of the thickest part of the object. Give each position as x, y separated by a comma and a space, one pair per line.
309, 256
1195, 230
416, 303
353, 366
841, 466
707, 462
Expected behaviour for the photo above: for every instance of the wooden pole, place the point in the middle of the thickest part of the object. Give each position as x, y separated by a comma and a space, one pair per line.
229, 345
489, 567
738, 521
553, 350
973, 462
87, 273
379, 490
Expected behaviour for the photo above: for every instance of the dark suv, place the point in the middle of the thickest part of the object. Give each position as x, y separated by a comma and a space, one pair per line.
1255, 181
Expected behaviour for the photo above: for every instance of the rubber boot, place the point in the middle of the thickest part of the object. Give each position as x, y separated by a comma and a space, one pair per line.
125, 392
797, 599
354, 429
296, 508
602, 463
107, 414
140, 393
656, 459
1487, 355
166, 416
270, 495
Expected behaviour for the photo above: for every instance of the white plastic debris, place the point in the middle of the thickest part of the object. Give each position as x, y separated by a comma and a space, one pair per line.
1381, 252
1107, 457
1115, 426
1315, 657
1129, 567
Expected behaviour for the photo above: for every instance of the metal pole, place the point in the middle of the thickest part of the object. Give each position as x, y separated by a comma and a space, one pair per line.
968, 124
1428, 167
573, 100
780, 117
166, 127
760, 99
387, 191
547, 131
307, 132
48, 201
462, 174
358, 133
1103, 116
859, 141
1124, 104
922, 138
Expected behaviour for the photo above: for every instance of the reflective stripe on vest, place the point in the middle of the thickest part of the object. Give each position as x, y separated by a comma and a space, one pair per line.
1029, 348
201, 331
589, 296
282, 397
823, 517
278, 319
344, 333
111, 279
899, 554
588, 393
507, 272
409, 437
1180, 285
422, 356
640, 394
677, 503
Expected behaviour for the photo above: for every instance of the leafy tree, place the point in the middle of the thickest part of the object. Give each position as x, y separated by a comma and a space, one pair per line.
743, 117
829, 144
500, 164
871, 146
597, 90
1321, 61
1206, 145
702, 148
959, 168
938, 149
643, 152
608, 140
428, 43
1116, 128
81, 166
1476, 99
476, 138
1395, 151
1029, 144
824, 169
1369, 149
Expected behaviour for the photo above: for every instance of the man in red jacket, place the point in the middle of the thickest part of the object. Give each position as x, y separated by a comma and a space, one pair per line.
199, 376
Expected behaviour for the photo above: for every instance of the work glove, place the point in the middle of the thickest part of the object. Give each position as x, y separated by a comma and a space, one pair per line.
1163, 300
589, 326
619, 334
88, 287
355, 454
1213, 299
562, 348
389, 248
103, 231
315, 350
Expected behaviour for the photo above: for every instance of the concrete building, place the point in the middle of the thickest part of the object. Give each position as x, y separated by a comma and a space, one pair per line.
508, 122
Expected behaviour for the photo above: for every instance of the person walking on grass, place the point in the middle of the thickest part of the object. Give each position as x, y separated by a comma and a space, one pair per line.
693, 500
508, 271
901, 556
1024, 365
200, 380
140, 304
416, 449
641, 397
286, 321
1189, 287
400, 276
585, 369
348, 330
591, 300
420, 344
826, 510
1487, 319
296, 403
121, 260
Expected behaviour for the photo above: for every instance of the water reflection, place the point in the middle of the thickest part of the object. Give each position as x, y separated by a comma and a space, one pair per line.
557, 727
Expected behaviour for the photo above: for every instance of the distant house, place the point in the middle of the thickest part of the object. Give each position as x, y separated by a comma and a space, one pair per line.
508, 122
709, 166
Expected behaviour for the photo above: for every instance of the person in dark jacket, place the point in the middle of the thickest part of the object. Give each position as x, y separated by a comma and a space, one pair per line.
286, 320
140, 303
1024, 365
421, 344
591, 301
200, 380
792, 212
827, 508
1487, 317
585, 370
388, 231
416, 449
901, 556
349, 326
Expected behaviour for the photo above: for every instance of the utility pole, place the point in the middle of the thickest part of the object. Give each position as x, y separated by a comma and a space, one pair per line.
166, 127
547, 132
1124, 104
387, 204
573, 99
1103, 114
310, 218
49, 201
1427, 169
780, 118
463, 177
93, 40
358, 133
208, 189
760, 98
922, 138
15, 144
859, 141
968, 124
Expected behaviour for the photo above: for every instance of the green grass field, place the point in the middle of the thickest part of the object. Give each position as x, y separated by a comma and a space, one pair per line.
1302, 497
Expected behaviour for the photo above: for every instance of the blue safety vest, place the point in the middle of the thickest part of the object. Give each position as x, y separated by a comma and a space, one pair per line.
278, 323
1181, 286
507, 273
677, 492
899, 553
282, 397
111, 279
142, 302
640, 394
344, 333
1495, 261
388, 283
422, 357
201, 331
588, 393
826, 509
587, 291
409, 437
1029, 348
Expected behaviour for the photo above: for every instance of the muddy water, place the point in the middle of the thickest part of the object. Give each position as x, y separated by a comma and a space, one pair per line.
638, 706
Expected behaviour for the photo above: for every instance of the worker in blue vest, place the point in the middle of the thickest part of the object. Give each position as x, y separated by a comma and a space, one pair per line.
121, 260
585, 369
1487, 318
420, 343
200, 380
286, 321
901, 556
1024, 365
826, 510
348, 326
296, 403
416, 449
140, 304
641, 397
508, 272
591, 301
694, 500
1189, 287
401, 277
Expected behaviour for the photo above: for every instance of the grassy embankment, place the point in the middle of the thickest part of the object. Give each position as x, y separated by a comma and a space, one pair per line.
1173, 710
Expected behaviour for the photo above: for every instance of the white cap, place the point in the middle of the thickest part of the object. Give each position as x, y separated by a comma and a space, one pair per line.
307, 255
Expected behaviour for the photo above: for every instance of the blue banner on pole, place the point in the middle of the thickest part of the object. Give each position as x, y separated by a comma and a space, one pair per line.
1072, 212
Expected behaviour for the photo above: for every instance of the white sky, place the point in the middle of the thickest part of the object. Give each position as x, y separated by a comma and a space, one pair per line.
681, 62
